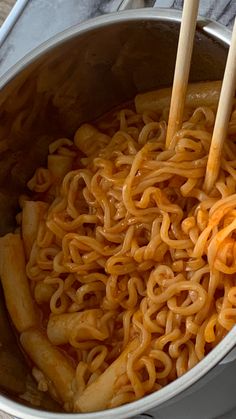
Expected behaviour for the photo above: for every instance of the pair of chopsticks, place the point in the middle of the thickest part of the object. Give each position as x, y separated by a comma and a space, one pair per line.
180, 83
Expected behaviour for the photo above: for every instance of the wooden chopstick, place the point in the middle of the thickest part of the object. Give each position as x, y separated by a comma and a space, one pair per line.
222, 117
182, 67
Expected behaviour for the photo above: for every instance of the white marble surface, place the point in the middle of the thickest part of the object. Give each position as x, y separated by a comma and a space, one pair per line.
223, 11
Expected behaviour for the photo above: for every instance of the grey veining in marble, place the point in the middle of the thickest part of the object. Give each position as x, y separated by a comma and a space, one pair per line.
224, 11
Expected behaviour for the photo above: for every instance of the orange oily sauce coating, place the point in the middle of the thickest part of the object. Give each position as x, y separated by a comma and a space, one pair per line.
14, 280
50, 361
133, 260
98, 395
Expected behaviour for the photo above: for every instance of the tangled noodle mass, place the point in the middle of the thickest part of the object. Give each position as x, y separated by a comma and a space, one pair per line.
132, 267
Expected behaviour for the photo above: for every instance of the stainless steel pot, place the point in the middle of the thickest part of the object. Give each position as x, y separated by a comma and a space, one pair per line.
75, 77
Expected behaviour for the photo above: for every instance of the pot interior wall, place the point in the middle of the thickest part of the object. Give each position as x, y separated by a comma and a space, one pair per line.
78, 81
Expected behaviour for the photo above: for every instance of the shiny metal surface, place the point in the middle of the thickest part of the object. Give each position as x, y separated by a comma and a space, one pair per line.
75, 77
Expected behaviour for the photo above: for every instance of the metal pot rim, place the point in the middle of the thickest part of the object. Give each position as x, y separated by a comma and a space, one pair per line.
223, 348
211, 27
